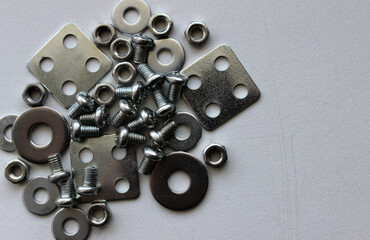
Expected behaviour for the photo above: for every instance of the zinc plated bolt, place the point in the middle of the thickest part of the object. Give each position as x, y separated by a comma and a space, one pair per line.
142, 46
84, 104
135, 92
177, 82
152, 79
160, 137
146, 119
125, 137
79, 131
57, 171
98, 118
126, 112
152, 156
67, 194
89, 182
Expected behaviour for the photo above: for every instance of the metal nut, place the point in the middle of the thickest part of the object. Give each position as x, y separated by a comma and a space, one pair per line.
99, 88
156, 21
121, 49
35, 88
215, 148
97, 34
14, 165
118, 70
92, 219
194, 26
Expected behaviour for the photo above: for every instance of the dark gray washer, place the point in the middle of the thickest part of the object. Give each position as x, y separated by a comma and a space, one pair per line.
70, 213
6, 121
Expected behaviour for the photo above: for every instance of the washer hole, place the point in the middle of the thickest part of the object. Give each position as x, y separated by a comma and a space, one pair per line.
182, 132
41, 196
165, 56
71, 226
40, 135
194, 82
179, 182
222, 64
119, 153
46, 64
69, 88
131, 15
122, 185
104, 34
213, 110
15, 171
70, 41
8, 132
86, 155
92, 65
160, 23
240, 91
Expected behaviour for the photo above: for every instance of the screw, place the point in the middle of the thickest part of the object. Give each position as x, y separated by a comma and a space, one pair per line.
164, 107
90, 178
99, 117
160, 137
146, 119
152, 79
57, 171
125, 137
135, 92
152, 156
142, 47
79, 131
126, 112
85, 103
177, 82
67, 194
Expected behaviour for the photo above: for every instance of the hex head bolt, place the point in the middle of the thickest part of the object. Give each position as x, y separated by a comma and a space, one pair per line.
142, 46
159, 138
57, 171
79, 131
124, 137
84, 104
152, 156
146, 119
98, 118
89, 182
135, 92
67, 194
126, 112
177, 82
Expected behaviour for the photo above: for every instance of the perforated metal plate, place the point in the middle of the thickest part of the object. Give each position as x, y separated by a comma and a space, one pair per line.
110, 170
217, 87
69, 64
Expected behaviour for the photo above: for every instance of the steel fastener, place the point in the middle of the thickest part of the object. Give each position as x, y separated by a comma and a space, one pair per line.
136, 92
57, 171
84, 104
152, 156
125, 137
160, 137
146, 119
177, 82
79, 131
89, 183
99, 118
67, 194
142, 46
126, 112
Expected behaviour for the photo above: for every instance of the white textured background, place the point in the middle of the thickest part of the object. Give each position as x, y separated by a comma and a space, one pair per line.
298, 159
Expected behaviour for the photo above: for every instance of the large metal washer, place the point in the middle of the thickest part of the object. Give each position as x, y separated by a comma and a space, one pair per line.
29, 119
29, 199
178, 55
171, 163
70, 213
5, 122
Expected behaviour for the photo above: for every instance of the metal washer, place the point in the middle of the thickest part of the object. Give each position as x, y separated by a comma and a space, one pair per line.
175, 48
30, 202
5, 122
70, 213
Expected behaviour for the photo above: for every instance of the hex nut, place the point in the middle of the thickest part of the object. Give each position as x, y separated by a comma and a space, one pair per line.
215, 148
99, 88
189, 33
10, 171
119, 68
92, 219
155, 28
38, 88
98, 31
117, 46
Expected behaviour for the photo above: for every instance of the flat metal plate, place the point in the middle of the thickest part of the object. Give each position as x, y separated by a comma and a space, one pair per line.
109, 169
217, 87
69, 64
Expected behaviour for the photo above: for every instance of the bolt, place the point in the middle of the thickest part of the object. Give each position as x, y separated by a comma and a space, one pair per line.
160, 137
146, 119
85, 103
79, 131
67, 194
89, 182
164, 107
152, 156
125, 137
135, 92
142, 46
177, 82
152, 79
98, 118
126, 112
57, 171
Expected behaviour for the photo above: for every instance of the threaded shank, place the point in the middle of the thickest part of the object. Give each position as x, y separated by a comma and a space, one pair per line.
55, 163
136, 138
145, 71
67, 188
117, 119
89, 131
159, 97
146, 166
141, 54
90, 176
135, 125
75, 110
123, 92
88, 118
168, 130
174, 92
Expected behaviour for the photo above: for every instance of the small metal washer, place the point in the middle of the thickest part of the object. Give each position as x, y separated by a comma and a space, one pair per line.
130, 28
97, 91
215, 148
70, 213
187, 119
29, 200
117, 70
121, 42
178, 55
5, 122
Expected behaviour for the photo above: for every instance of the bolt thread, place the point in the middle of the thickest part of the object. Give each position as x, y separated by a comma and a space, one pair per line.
67, 189
136, 138
146, 166
90, 176
55, 163
174, 93
159, 97
90, 131
145, 71
136, 125
168, 130
118, 119
88, 119
123, 92
75, 110
141, 54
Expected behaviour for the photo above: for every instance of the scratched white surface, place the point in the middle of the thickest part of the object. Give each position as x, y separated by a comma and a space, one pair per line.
298, 159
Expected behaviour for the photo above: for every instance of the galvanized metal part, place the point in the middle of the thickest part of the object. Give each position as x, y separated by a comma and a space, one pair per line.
152, 156
159, 138
110, 169
124, 138
30, 118
215, 148
89, 182
80, 131
12, 167
178, 56
143, 44
121, 49
118, 70
35, 102
29, 200
96, 206
65, 214
177, 82
155, 22
6, 122
57, 171
217, 87
99, 88
67, 198
70, 64
127, 111
84, 104
135, 93
186, 119
100, 117
171, 163
122, 7
146, 119
194, 26
98, 32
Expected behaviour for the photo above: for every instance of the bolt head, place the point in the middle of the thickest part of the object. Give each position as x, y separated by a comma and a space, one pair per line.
65, 202
153, 153
139, 39
121, 138
127, 108
100, 117
149, 117
87, 191
175, 78
155, 81
166, 110
56, 177
138, 92
157, 139
76, 130
85, 101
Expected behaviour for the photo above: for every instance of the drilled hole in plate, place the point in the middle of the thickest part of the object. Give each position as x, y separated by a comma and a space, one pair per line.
69, 88
119, 153
86, 155
70, 41
104, 34
46, 64
40, 135
131, 15
33, 94
8, 132
98, 213
194, 82
121, 49
122, 185
71, 226
197, 33
182, 132
15, 171
41, 196
160, 23
213, 110
165, 56
240, 91
92, 65
124, 73
179, 182
222, 64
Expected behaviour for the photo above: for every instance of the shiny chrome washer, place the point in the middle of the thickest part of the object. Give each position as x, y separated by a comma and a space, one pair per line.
70, 213
6, 122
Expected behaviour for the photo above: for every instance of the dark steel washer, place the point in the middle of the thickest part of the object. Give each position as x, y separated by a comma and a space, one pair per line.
198, 181
187, 119
5, 143
29, 119
70, 213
